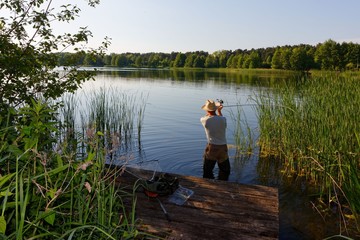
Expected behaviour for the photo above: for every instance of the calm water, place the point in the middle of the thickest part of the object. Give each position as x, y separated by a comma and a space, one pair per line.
173, 138
172, 133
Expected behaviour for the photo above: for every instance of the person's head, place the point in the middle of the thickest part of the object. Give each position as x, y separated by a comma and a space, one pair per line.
209, 106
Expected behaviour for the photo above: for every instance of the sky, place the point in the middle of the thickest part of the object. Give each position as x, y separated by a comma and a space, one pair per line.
143, 26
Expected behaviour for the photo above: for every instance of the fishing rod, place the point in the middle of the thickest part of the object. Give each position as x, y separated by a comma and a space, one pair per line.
240, 105
235, 105
251, 104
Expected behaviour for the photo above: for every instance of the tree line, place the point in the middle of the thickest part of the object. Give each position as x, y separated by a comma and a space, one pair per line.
329, 55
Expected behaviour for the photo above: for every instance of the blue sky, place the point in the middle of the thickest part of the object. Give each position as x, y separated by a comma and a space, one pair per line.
210, 25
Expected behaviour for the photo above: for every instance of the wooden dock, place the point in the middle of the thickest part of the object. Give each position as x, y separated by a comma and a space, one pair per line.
216, 210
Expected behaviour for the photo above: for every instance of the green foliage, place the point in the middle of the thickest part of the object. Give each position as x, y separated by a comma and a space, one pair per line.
211, 62
299, 59
285, 58
36, 124
276, 61
121, 60
255, 60
46, 190
180, 60
27, 43
189, 60
326, 56
199, 62
43, 189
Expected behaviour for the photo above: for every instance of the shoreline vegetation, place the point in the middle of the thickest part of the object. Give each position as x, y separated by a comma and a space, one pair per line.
53, 180
312, 129
329, 55
55, 165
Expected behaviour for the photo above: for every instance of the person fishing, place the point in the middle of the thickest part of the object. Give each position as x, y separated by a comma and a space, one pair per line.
216, 150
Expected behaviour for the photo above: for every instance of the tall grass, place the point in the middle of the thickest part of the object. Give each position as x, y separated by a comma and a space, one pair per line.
117, 115
49, 190
243, 134
312, 127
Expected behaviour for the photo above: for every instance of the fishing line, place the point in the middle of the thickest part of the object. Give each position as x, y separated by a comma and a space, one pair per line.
253, 104
139, 166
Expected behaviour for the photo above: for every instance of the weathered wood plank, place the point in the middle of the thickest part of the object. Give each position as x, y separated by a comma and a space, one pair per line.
217, 210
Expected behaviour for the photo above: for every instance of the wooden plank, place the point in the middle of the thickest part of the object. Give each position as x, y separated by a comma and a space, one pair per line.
217, 210
207, 220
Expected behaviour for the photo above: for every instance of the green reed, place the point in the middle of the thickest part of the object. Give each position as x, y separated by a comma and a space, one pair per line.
311, 127
110, 111
48, 190
243, 134
243, 138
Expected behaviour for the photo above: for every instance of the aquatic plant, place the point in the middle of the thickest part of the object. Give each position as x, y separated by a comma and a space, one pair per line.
110, 111
243, 134
312, 127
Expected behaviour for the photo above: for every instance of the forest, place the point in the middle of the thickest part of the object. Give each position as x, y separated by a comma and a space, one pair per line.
328, 55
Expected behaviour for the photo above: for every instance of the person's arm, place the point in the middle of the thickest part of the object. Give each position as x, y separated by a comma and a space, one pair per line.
219, 110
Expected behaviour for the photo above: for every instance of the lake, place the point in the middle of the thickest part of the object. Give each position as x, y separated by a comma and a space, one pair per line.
173, 139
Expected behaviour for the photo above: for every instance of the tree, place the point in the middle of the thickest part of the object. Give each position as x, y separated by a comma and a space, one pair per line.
328, 55
352, 54
153, 60
240, 61
165, 62
267, 63
199, 61
255, 60
298, 59
211, 61
229, 61
180, 60
107, 60
121, 60
276, 60
113, 59
138, 61
235, 61
266, 56
189, 60
91, 60
223, 57
27, 46
285, 58
246, 61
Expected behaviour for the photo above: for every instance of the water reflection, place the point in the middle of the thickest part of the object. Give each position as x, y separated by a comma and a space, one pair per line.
253, 78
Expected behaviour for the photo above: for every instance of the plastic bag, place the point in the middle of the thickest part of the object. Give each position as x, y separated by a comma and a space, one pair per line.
180, 196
